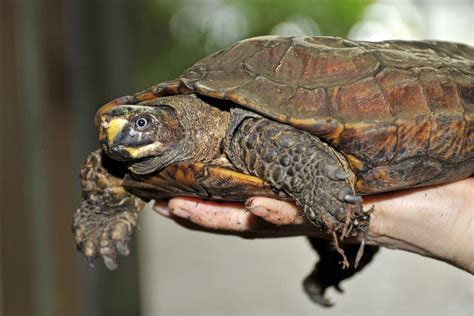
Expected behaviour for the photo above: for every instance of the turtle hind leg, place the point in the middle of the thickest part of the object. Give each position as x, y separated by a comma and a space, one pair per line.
328, 272
302, 166
107, 215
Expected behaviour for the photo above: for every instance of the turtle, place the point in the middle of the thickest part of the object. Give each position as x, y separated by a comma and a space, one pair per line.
321, 121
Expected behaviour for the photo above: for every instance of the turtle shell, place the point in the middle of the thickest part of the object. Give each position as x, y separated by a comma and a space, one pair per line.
401, 112
199, 180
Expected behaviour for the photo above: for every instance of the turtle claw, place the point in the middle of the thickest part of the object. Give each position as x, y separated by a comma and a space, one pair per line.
110, 263
90, 262
346, 195
353, 199
334, 173
341, 175
101, 235
123, 248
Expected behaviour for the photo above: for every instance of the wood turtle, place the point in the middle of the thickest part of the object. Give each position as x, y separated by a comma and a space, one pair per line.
317, 120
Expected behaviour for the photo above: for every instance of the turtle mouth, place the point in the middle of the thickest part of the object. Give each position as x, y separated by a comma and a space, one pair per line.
118, 152
133, 154
151, 164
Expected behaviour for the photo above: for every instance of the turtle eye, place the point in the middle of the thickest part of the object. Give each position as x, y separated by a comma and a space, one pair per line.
141, 123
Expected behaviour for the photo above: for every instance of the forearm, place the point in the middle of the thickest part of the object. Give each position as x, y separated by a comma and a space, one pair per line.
437, 222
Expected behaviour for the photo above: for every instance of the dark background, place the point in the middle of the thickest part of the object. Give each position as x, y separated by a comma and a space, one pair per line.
60, 60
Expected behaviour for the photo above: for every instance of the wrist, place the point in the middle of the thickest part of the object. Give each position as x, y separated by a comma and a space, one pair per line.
437, 222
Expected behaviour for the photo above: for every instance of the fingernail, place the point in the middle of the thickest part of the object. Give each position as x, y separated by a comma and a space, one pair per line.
162, 210
180, 212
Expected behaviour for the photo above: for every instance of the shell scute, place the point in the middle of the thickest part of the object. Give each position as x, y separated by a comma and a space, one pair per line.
358, 101
268, 59
403, 92
413, 137
440, 90
324, 67
373, 143
270, 92
467, 150
219, 82
447, 135
310, 103
398, 175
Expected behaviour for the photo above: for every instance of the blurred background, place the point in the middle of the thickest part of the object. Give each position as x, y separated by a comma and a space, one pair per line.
61, 59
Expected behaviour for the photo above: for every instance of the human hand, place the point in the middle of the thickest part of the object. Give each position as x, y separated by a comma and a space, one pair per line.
436, 221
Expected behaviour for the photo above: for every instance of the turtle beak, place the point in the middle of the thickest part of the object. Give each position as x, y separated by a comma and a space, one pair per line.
110, 128
109, 131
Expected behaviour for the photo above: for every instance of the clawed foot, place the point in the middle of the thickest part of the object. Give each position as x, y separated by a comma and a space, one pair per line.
107, 216
104, 236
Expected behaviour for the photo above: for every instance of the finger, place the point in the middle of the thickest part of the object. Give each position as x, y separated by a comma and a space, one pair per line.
275, 211
214, 215
285, 217
232, 219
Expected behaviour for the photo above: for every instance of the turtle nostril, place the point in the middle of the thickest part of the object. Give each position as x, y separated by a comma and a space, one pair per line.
102, 133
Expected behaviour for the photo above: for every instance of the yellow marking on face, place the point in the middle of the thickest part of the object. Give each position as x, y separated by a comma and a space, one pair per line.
144, 151
114, 127
133, 152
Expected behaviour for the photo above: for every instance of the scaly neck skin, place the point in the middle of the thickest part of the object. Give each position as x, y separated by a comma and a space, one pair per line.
205, 127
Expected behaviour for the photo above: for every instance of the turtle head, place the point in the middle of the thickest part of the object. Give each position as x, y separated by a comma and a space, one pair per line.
136, 132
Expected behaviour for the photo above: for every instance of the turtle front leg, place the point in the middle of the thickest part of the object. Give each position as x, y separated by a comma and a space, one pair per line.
107, 216
302, 166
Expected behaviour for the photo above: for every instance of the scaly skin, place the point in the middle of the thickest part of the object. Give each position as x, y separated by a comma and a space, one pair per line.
107, 216
302, 166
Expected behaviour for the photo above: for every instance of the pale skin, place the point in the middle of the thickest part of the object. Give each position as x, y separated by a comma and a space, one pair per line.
435, 221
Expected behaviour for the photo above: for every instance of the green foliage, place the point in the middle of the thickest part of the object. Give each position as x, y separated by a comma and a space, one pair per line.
177, 33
